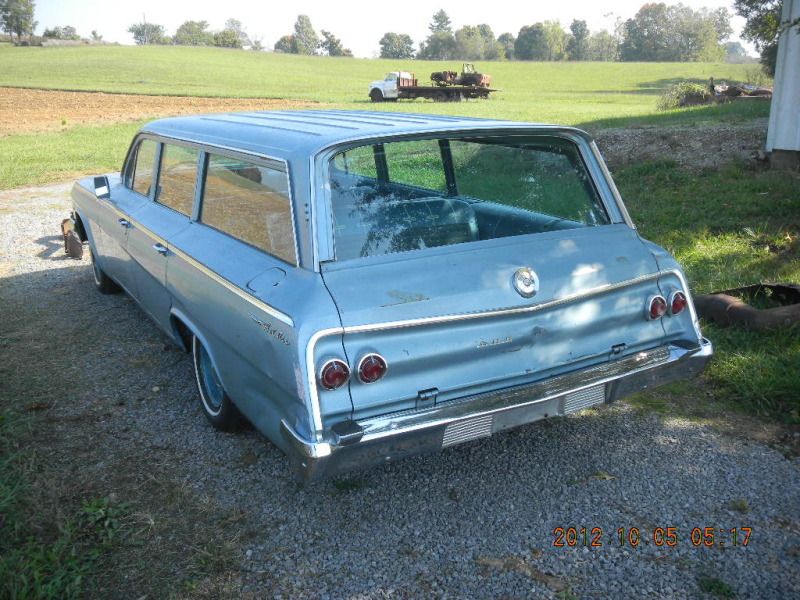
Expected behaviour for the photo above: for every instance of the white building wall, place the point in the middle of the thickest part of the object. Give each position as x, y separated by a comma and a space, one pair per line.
784, 116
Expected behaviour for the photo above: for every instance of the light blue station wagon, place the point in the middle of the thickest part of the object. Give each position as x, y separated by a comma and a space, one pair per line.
363, 286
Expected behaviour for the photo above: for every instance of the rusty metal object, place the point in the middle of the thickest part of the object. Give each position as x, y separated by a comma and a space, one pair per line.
73, 246
724, 309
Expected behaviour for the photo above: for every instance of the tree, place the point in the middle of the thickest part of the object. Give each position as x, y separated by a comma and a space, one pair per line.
439, 46
397, 45
440, 23
645, 35
193, 33
256, 45
578, 43
531, 43
763, 27
603, 47
306, 40
236, 26
469, 43
506, 41
556, 40
286, 45
16, 16
736, 53
61, 33
332, 46
675, 33
148, 33
96, 37
227, 38
492, 49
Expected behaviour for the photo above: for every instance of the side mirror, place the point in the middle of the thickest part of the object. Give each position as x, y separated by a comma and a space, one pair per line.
101, 187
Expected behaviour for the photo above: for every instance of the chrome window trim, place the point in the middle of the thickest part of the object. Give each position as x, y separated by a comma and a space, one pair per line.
157, 186
280, 164
202, 185
611, 185
270, 310
600, 178
313, 391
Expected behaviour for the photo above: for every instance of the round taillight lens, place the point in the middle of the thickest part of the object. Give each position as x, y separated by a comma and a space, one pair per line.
677, 302
371, 368
334, 374
657, 308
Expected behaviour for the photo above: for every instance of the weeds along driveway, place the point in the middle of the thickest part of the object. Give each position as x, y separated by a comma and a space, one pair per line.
210, 514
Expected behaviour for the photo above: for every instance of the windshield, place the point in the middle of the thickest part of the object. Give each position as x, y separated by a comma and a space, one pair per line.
410, 195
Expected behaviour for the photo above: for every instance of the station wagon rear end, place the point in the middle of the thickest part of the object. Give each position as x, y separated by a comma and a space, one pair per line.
366, 286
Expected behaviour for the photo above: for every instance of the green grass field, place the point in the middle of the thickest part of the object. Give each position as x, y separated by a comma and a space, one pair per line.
568, 93
589, 95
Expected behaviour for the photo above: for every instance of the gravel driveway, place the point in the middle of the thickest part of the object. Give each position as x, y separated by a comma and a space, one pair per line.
117, 413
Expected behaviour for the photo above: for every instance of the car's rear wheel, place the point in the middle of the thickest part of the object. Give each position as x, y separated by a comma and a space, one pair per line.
217, 405
102, 282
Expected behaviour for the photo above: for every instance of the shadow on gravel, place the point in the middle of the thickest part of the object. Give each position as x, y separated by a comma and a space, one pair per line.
53, 247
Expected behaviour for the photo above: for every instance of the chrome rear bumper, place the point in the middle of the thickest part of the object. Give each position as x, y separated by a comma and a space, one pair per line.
391, 437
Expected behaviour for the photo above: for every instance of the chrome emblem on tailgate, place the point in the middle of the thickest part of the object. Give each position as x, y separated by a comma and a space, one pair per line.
526, 282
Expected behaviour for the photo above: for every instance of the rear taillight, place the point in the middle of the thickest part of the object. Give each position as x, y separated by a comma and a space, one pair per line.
677, 302
656, 307
371, 368
334, 374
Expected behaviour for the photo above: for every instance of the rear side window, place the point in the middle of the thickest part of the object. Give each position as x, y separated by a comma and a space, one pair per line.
176, 178
140, 178
250, 203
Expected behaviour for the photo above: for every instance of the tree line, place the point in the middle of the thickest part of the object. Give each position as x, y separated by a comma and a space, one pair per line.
194, 33
658, 32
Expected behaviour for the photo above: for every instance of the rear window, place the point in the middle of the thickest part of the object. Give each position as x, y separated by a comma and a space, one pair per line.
410, 195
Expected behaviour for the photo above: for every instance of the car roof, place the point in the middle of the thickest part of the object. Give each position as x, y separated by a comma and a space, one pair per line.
291, 134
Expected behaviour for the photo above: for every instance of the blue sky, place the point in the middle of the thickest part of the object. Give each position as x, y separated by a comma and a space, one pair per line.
359, 24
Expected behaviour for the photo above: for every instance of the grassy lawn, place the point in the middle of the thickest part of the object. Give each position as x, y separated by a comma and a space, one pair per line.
728, 228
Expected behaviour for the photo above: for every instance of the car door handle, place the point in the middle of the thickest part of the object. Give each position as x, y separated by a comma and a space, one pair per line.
124, 223
160, 248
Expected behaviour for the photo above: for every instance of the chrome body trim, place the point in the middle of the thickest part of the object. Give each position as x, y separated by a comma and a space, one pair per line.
415, 431
270, 310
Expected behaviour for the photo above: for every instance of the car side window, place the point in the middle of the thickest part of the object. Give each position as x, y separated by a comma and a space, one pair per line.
250, 203
141, 179
176, 179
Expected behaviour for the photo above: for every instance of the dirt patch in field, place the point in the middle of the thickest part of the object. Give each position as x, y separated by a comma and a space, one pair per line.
694, 147
31, 111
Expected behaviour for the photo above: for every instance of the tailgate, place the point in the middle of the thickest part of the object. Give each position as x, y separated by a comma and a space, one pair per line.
450, 323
